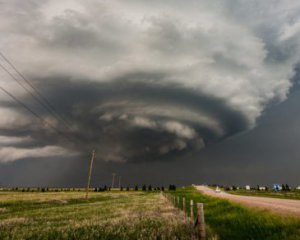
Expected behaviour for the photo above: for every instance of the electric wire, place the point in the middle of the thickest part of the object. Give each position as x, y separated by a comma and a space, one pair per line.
45, 122
34, 92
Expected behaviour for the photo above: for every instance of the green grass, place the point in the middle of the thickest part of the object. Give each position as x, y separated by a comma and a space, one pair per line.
108, 215
132, 215
285, 195
231, 221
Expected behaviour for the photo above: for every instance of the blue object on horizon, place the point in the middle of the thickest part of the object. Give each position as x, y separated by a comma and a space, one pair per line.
277, 187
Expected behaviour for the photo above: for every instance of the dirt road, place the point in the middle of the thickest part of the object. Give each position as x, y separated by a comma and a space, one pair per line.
284, 206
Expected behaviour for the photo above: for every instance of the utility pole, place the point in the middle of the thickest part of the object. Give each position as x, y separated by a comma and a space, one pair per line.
89, 176
113, 181
120, 182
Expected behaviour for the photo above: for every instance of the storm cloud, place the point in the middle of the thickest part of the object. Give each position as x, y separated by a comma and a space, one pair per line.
143, 81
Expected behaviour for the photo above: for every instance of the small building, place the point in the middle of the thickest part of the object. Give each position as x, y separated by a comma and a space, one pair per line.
277, 187
247, 187
298, 188
262, 188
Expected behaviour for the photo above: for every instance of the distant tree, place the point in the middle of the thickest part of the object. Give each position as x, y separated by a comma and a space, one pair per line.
144, 188
150, 188
127, 189
267, 189
287, 187
121, 189
163, 188
158, 188
283, 187
257, 188
105, 188
234, 188
43, 190
136, 188
95, 189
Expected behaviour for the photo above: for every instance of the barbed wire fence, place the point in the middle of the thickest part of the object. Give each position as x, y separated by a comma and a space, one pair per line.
198, 221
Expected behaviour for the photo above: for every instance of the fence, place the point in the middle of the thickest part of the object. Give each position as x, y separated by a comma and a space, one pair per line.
198, 222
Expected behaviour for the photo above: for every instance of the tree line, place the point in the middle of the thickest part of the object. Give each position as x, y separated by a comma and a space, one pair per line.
144, 187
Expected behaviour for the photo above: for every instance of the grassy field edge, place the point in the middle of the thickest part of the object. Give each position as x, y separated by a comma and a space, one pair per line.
232, 221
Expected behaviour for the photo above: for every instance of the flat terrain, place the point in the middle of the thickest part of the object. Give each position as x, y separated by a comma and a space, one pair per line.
228, 220
283, 206
133, 215
106, 215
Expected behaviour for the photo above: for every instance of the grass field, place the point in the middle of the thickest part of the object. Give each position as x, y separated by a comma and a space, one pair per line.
133, 215
108, 215
286, 195
231, 221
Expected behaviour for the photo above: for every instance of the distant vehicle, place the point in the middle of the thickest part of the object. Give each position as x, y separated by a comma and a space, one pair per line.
218, 190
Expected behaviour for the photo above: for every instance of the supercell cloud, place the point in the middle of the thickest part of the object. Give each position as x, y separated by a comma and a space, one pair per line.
143, 80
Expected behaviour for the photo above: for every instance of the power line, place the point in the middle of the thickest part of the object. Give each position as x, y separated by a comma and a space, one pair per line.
33, 112
34, 92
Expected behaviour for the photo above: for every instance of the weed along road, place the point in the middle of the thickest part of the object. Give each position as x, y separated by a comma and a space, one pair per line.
283, 206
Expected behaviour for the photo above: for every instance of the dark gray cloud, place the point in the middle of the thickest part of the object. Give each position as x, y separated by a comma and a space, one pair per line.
129, 120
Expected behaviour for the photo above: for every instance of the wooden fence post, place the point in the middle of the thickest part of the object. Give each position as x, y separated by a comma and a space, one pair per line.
183, 206
192, 211
200, 223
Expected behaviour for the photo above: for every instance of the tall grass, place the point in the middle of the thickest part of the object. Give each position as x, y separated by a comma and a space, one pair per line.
231, 221
127, 215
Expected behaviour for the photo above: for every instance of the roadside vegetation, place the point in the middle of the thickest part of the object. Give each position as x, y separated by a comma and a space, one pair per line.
105, 215
231, 221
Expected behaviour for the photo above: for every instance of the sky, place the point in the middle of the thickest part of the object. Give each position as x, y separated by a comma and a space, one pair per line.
164, 91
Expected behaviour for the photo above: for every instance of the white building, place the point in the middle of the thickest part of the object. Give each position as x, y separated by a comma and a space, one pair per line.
262, 188
247, 187
298, 188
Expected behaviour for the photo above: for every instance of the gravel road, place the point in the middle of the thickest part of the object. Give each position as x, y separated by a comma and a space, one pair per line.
283, 206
